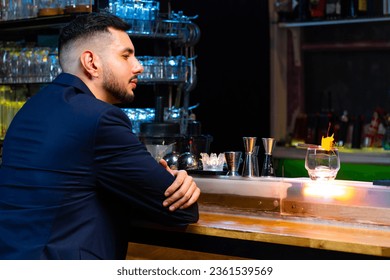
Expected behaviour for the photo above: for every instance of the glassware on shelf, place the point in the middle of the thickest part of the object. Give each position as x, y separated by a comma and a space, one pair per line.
11, 100
77, 6
20, 65
140, 115
145, 19
12, 10
50, 8
160, 68
140, 14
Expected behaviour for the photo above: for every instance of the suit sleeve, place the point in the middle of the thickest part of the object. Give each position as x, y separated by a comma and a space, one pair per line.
126, 170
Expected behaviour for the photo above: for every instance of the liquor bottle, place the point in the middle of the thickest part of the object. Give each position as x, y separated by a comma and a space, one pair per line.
386, 138
375, 8
284, 10
348, 8
302, 10
333, 9
357, 132
343, 131
317, 9
362, 8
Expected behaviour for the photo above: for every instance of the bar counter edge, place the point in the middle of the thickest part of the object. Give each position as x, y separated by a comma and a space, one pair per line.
226, 227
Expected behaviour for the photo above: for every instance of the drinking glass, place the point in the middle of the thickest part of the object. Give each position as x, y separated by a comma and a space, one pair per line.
321, 164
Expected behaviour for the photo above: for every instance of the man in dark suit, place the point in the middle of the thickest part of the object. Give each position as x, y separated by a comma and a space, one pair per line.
73, 174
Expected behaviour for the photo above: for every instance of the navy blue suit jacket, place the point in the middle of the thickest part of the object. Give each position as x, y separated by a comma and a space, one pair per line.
74, 175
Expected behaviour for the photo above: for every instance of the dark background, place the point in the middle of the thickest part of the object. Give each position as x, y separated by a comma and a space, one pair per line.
232, 61
351, 78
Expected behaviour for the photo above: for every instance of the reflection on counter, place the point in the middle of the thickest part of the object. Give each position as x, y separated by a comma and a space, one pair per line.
351, 202
346, 201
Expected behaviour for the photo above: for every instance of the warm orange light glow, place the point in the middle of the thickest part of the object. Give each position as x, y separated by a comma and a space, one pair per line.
328, 190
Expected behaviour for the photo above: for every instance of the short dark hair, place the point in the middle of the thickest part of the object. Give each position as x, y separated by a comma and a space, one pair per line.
89, 24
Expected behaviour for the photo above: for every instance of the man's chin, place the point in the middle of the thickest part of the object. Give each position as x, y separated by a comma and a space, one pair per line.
129, 98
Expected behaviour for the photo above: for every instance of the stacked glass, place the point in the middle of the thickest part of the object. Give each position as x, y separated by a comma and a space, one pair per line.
160, 68
18, 9
140, 14
28, 64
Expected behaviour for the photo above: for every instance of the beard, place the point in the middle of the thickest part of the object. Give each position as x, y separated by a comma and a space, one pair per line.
113, 87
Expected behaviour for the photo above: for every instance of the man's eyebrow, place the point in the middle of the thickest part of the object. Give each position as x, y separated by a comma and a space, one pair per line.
129, 50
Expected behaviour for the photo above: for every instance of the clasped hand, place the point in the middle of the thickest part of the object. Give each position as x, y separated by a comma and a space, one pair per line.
183, 192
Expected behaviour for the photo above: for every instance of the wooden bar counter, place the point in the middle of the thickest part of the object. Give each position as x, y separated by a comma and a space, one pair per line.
270, 219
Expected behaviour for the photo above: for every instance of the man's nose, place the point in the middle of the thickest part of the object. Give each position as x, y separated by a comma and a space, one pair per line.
138, 67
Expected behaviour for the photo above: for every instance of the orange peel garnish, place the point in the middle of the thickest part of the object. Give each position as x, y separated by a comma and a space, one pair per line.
327, 143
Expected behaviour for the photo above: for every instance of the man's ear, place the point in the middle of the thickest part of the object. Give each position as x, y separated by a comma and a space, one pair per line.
90, 63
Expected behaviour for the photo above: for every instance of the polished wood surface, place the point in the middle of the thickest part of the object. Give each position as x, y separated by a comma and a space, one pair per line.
241, 228
138, 251
369, 240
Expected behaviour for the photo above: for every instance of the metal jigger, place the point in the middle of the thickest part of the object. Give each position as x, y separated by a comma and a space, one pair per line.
255, 161
248, 169
233, 160
268, 164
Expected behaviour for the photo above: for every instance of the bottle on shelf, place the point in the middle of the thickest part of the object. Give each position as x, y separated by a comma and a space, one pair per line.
386, 137
333, 9
317, 9
348, 9
377, 8
362, 8
357, 129
343, 130
284, 8
301, 10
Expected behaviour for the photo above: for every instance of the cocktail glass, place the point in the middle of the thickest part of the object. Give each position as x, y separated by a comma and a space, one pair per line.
321, 164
